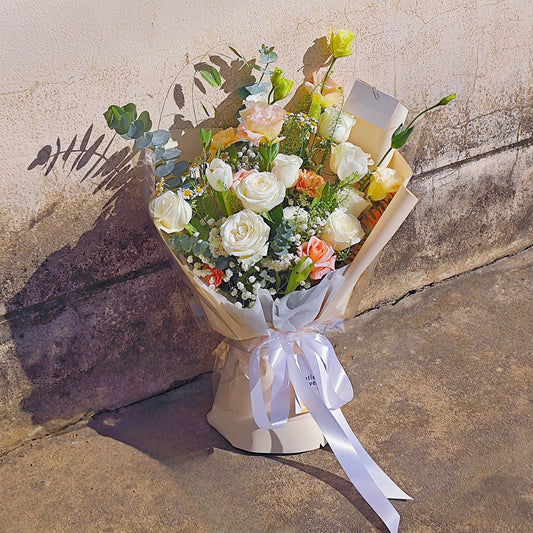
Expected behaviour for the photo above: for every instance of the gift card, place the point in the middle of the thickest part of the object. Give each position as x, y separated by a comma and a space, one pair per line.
366, 102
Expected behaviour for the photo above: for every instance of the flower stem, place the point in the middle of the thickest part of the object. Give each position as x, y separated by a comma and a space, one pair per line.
327, 76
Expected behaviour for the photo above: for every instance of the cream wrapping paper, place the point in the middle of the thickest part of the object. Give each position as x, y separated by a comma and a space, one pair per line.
282, 386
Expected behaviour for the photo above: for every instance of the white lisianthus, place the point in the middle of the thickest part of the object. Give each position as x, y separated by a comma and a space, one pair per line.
342, 230
260, 191
245, 235
353, 201
383, 181
286, 168
335, 124
347, 159
219, 175
170, 212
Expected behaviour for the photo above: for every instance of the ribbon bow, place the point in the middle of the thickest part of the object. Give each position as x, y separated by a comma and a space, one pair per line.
308, 361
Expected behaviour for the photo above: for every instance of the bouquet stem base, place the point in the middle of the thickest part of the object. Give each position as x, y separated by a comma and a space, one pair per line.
300, 434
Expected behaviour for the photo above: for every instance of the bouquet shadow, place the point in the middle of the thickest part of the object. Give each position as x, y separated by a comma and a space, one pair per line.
172, 428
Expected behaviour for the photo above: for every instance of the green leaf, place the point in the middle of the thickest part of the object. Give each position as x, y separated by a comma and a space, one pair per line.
236, 53
216, 76
144, 117
205, 109
160, 137
205, 138
113, 116
124, 124
276, 214
400, 138
131, 109
300, 272
213, 77
158, 154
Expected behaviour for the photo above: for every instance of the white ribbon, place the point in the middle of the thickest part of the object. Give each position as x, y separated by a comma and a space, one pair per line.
308, 361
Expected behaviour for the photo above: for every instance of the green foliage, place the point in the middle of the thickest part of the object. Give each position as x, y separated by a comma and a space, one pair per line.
299, 273
267, 54
123, 120
185, 245
212, 77
280, 242
206, 136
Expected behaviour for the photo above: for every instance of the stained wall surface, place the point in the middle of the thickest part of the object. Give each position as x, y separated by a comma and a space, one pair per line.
92, 316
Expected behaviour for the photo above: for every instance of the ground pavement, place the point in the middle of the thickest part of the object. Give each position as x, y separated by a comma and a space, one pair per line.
443, 402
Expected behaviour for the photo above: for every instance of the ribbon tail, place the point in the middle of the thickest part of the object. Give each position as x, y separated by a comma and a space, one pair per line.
382, 480
343, 449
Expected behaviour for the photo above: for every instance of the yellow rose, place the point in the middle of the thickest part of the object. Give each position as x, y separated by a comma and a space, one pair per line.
382, 182
341, 43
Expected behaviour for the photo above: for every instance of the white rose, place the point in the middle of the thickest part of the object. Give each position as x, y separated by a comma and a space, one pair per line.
346, 159
286, 168
353, 201
335, 124
342, 230
219, 175
260, 191
245, 235
170, 212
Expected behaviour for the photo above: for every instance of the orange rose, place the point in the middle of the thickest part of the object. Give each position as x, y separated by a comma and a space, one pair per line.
215, 277
310, 183
322, 255
223, 139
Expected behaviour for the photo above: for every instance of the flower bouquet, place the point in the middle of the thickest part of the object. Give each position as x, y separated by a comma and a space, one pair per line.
277, 226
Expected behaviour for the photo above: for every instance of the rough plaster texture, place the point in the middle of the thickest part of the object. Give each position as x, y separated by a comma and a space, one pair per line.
90, 314
441, 401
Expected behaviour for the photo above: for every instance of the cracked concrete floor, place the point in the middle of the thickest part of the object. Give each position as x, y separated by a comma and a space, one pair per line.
443, 402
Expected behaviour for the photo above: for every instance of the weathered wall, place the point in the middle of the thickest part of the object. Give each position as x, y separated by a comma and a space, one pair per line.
91, 315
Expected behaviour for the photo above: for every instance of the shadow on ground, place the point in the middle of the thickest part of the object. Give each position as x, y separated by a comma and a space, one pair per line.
173, 429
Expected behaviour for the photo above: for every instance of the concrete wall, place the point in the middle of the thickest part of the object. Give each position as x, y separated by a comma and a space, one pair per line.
91, 314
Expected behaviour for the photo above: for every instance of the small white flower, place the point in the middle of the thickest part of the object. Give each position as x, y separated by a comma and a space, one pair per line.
219, 175
335, 124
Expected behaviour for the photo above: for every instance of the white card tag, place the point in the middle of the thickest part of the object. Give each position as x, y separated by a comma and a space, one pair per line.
366, 102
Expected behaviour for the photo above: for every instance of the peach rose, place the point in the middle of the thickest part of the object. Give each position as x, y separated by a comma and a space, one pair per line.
332, 93
310, 183
261, 121
322, 255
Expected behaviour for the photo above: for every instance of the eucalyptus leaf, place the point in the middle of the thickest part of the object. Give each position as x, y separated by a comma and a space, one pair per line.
143, 141
164, 169
160, 137
158, 154
267, 54
136, 129
144, 117
180, 168
171, 153
131, 109
173, 183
